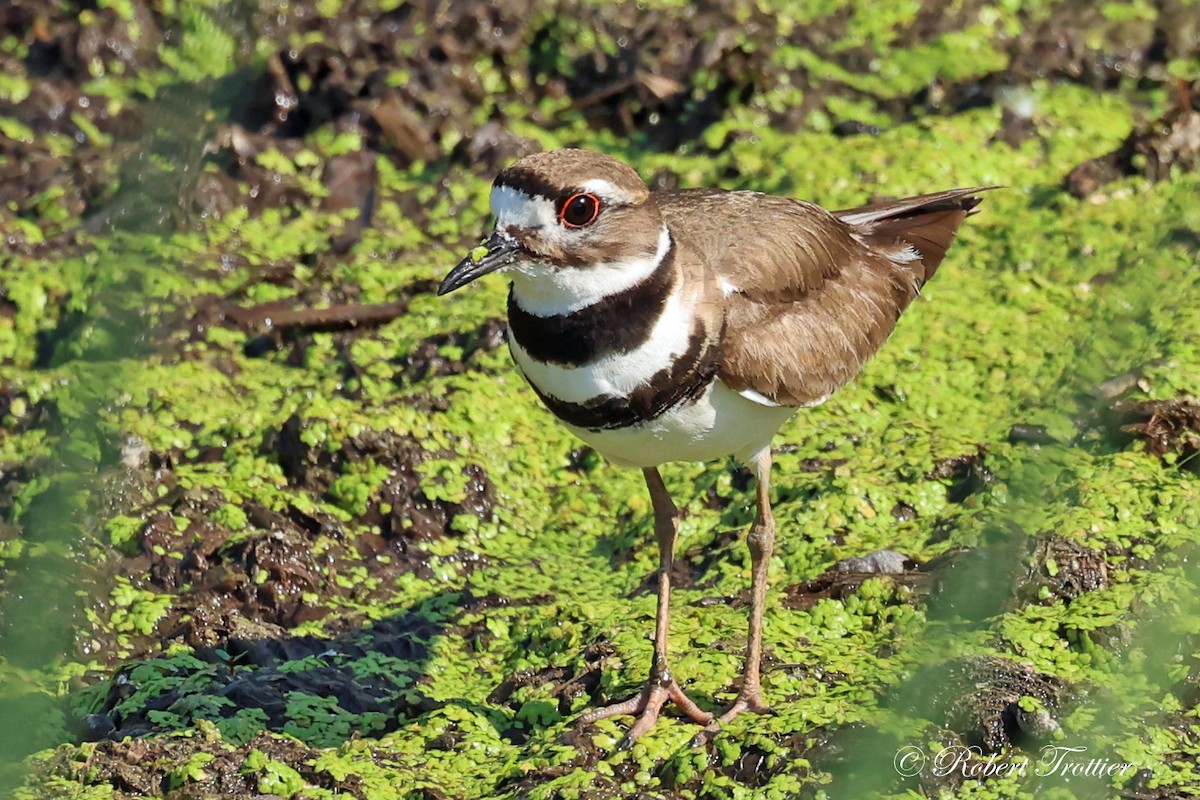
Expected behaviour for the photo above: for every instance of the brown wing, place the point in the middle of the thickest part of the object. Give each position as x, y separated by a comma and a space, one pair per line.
811, 295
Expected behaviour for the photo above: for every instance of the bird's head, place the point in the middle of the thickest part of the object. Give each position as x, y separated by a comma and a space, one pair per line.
569, 224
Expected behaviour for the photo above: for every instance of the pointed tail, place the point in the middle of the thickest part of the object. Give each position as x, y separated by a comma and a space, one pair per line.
926, 223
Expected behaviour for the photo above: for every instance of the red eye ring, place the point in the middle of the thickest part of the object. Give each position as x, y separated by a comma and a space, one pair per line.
579, 210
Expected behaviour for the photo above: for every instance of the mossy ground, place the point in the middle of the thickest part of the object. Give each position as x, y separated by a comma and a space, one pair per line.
322, 561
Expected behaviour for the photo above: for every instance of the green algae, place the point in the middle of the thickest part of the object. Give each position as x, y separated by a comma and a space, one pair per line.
1016, 328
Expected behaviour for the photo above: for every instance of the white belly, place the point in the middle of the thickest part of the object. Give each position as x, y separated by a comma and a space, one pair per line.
719, 423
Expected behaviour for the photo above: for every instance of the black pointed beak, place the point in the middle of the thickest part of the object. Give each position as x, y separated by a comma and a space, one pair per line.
497, 252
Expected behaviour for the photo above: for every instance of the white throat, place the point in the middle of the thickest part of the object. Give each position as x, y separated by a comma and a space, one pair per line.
545, 291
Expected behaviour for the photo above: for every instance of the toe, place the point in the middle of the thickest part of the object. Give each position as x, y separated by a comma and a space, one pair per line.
752, 703
647, 706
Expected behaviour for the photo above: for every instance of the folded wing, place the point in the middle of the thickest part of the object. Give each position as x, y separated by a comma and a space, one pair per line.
811, 295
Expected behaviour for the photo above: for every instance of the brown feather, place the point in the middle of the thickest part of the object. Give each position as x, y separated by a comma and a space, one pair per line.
812, 295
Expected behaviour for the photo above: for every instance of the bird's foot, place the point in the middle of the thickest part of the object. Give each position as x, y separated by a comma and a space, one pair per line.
746, 701
647, 705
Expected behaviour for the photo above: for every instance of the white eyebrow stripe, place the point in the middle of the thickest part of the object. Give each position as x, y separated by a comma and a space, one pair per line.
606, 190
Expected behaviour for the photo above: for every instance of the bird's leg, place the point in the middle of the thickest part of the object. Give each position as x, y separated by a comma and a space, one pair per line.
761, 540
662, 685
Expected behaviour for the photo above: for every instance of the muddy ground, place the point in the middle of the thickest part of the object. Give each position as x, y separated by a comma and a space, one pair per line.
275, 520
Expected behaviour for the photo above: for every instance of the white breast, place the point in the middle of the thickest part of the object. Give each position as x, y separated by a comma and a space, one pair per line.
719, 423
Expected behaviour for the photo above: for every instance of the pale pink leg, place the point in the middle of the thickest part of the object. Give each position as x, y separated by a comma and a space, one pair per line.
761, 540
662, 685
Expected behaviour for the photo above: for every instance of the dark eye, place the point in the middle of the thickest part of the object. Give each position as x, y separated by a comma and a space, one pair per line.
580, 210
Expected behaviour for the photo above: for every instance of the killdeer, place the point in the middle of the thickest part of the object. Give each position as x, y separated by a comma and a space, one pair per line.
690, 325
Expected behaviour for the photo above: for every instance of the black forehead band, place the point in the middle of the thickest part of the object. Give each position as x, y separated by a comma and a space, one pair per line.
527, 182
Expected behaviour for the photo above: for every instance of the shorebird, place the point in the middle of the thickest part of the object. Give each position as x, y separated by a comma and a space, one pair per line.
690, 325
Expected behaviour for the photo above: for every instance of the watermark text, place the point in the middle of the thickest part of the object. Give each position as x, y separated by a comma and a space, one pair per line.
970, 762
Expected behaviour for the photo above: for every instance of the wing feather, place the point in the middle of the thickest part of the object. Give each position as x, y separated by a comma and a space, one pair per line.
809, 295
